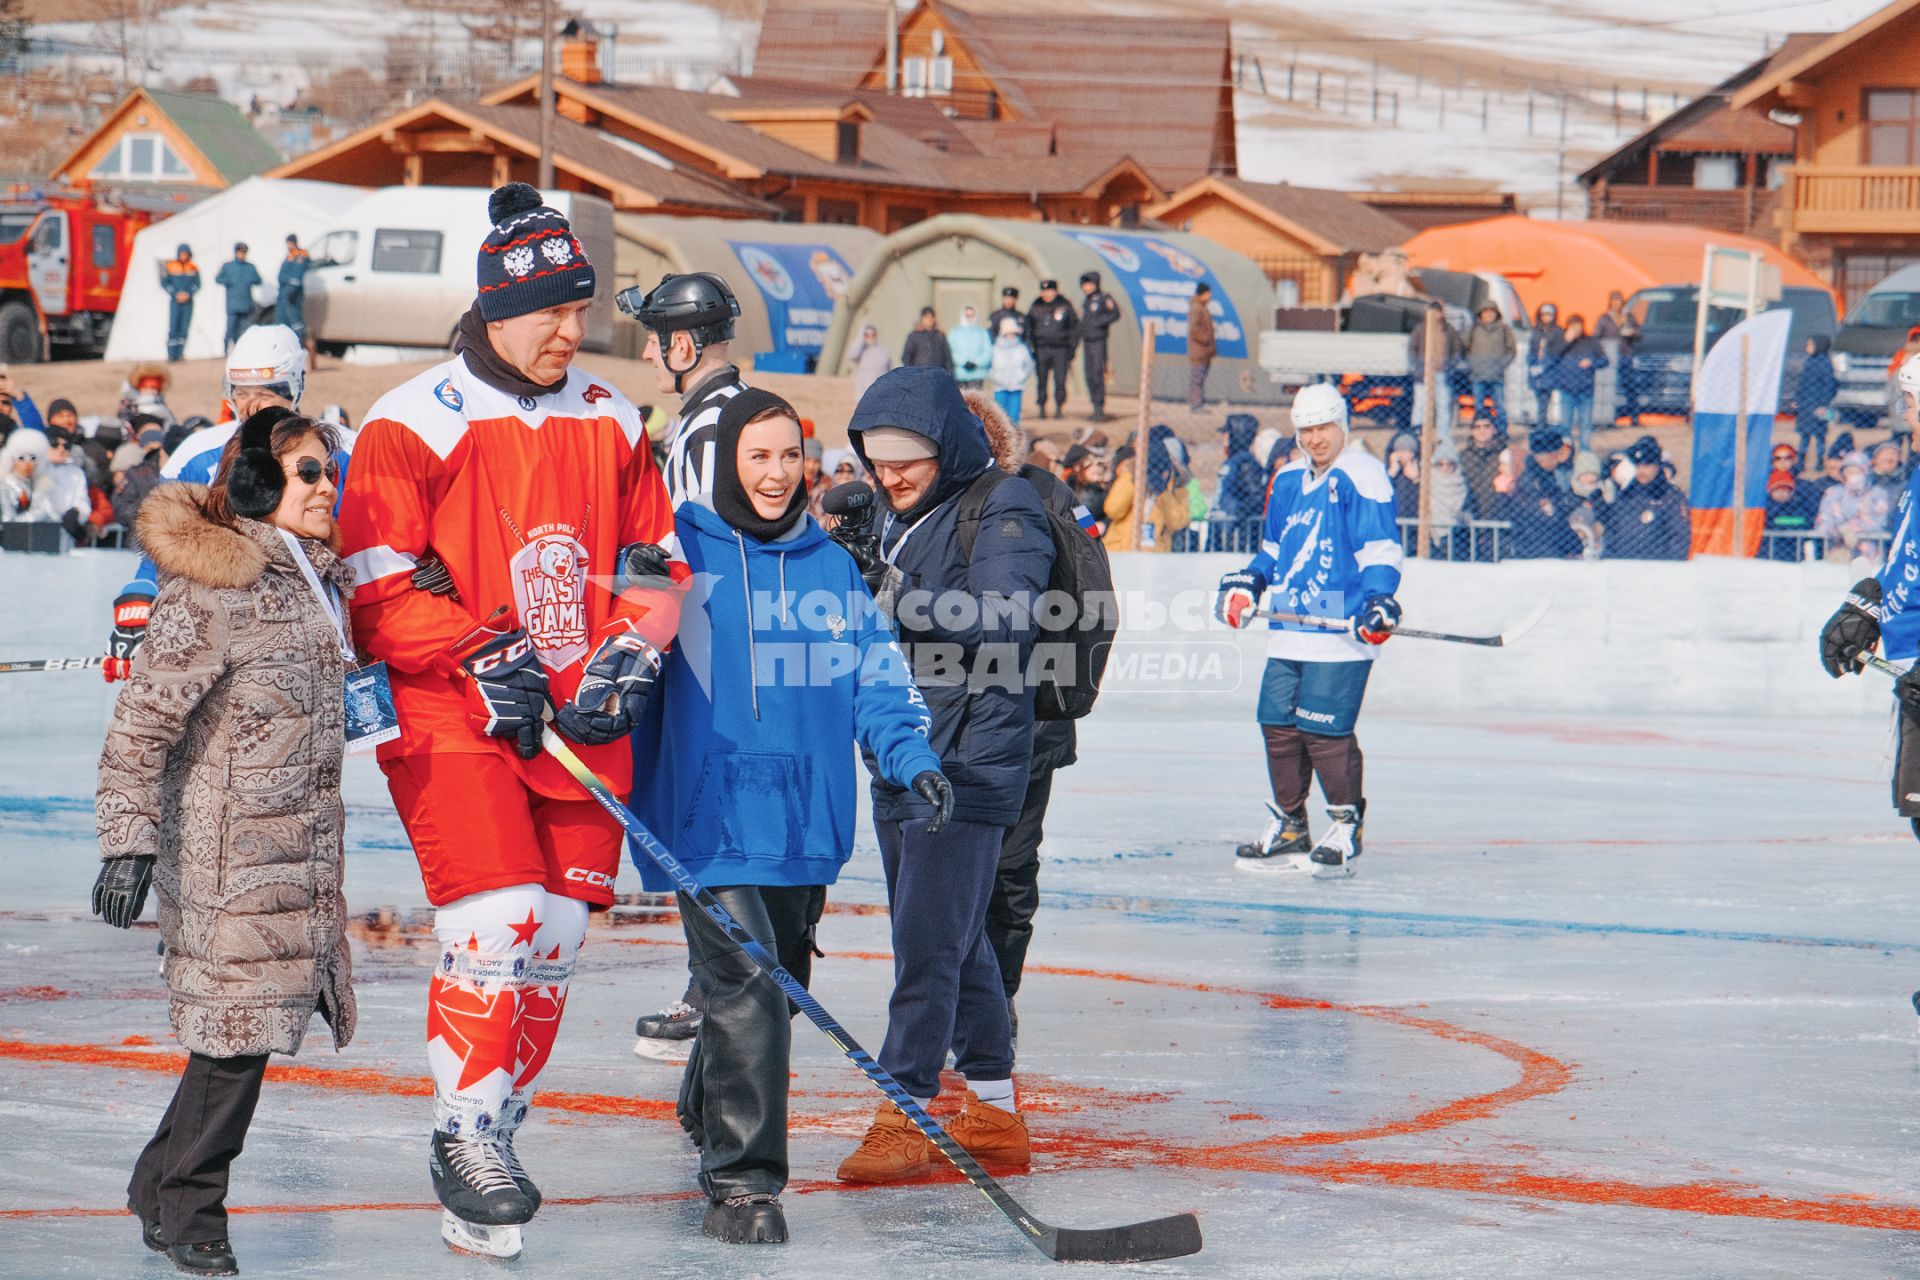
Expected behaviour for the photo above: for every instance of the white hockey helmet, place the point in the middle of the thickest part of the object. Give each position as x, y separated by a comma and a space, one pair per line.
1319, 404
270, 356
1909, 377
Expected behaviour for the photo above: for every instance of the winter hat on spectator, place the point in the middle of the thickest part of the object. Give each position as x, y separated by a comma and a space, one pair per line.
23, 442
1404, 440
1842, 445
1444, 453
812, 448
59, 407
1644, 452
1780, 480
897, 444
1545, 440
1263, 442
151, 435
530, 260
109, 432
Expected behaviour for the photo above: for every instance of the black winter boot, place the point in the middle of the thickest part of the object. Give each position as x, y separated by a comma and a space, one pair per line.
207, 1258
748, 1219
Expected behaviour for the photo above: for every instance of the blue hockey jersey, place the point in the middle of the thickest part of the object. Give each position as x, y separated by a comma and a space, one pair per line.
1329, 543
1900, 580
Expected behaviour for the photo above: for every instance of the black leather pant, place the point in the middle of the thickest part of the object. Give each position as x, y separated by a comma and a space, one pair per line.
180, 1179
733, 1097
1016, 885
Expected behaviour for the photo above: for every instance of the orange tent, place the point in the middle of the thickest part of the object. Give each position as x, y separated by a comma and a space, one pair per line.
1574, 265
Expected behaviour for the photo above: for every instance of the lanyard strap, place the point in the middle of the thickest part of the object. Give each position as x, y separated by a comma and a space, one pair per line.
328, 598
893, 556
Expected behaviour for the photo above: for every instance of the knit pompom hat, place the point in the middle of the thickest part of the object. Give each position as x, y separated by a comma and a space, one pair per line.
530, 260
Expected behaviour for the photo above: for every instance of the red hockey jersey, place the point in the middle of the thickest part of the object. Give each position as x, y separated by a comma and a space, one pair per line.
527, 501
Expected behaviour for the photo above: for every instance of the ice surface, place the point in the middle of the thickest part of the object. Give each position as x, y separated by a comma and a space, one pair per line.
1613, 994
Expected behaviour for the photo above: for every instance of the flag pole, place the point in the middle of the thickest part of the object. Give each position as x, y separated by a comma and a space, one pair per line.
1740, 454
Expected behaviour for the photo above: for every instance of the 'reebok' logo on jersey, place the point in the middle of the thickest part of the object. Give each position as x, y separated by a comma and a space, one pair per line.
550, 588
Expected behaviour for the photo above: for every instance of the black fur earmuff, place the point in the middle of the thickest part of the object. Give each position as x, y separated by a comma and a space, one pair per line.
256, 482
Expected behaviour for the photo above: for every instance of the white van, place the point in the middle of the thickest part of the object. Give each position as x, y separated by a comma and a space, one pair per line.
398, 269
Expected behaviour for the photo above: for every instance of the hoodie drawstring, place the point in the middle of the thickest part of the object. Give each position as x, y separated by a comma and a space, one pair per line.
753, 660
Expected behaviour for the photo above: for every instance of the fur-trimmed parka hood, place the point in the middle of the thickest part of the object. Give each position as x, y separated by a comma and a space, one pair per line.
1006, 439
175, 531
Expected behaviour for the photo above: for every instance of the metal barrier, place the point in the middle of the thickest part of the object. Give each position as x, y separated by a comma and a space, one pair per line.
1477, 540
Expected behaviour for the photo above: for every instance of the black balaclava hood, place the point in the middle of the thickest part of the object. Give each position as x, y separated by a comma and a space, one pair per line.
730, 498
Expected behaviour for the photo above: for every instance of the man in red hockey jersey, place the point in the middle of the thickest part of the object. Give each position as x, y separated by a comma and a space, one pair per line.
501, 502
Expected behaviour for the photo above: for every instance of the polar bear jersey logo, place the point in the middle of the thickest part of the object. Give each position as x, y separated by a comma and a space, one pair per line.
550, 589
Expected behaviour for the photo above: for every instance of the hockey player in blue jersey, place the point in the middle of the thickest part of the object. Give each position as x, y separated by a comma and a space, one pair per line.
1329, 550
1883, 611
266, 367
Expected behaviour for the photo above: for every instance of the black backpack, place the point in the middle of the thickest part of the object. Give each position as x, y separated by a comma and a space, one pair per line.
1080, 570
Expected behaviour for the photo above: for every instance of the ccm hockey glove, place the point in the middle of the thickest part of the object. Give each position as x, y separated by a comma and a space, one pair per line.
507, 691
1240, 592
1853, 630
120, 890
1377, 619
613, 689
131, 609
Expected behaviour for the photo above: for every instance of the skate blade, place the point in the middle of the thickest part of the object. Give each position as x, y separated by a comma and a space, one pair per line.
1342, 872
478, 1240
1280, 864
674, 1052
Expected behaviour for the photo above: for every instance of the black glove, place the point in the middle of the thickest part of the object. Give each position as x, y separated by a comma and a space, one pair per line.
131, 609
639, 562
120, 890
76, 526
863, 544
937, 791
430, 574
1853, 630
1377, 619
612, 691
1240, 593
507, 691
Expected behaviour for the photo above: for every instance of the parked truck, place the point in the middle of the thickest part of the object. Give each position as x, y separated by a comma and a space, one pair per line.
1864, 349
63, 259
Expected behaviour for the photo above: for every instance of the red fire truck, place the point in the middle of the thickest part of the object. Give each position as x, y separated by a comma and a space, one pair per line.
63, 259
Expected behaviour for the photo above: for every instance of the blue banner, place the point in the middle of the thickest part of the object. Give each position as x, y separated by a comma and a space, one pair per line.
1160, 280
799, 283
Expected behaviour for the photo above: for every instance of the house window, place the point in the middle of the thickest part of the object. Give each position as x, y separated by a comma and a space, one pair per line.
903, 215
913, 77
940, 75
142, 157
844, 213
105, 251
847, 142
1892, 116
407, 252
1716, 173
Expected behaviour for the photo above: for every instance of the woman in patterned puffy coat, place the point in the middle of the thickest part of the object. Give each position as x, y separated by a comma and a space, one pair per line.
220, 783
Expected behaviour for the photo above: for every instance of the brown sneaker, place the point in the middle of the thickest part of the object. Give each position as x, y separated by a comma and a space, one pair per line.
893, 1149
990, 1135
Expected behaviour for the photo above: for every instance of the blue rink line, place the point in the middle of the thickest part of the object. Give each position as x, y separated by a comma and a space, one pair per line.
1199, 911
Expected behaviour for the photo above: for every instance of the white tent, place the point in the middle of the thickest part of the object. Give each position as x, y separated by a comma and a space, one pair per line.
262, 212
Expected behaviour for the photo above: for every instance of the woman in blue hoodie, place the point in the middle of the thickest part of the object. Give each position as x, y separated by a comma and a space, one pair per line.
782, 664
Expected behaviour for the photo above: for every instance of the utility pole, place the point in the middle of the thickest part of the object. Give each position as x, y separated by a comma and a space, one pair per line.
546, 94
893, 47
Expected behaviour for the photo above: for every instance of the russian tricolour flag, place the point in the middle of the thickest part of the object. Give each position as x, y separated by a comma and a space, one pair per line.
1717, 407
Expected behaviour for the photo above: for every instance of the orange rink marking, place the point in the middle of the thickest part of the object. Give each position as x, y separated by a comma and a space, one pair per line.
1072, 1148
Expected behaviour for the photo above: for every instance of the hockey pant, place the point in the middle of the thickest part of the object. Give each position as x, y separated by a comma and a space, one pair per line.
494, 1005
1906, 767
1307, 712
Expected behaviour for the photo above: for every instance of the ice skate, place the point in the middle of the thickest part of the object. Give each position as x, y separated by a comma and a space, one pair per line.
1339, 848
667, 1036
473, 1182
481, 1241
748, 1219
1282, 849
515, 1170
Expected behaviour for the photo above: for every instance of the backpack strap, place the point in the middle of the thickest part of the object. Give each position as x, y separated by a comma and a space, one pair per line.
973, 501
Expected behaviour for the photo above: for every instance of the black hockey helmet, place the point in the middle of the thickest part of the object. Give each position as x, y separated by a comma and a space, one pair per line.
699, 302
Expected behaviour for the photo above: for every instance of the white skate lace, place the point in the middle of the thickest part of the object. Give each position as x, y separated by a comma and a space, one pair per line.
511, 1159
1339, 838
479, 1164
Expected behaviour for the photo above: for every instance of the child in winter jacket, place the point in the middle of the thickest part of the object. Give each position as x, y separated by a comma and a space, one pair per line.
1012, 366
780, 665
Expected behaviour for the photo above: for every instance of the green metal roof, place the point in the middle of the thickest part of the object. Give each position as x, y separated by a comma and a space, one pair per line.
220, 131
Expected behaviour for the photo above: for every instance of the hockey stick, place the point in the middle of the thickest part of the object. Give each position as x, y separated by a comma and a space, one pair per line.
1505, 638
52, 664
1172, 1237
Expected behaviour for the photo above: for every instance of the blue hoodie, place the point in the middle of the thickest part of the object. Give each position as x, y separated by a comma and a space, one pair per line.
743, 764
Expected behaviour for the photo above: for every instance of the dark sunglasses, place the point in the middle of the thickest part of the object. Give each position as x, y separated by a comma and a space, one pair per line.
311, 469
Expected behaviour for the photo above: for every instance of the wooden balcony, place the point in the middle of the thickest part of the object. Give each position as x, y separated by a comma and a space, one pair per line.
1717, 210
1853, 198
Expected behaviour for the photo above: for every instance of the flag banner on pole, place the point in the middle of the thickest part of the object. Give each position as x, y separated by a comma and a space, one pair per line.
1717, 405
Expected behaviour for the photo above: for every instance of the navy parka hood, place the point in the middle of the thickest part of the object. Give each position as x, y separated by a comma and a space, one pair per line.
927, 402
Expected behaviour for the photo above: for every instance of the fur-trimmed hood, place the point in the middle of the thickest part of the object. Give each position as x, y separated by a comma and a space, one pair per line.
1006, 439
175, 532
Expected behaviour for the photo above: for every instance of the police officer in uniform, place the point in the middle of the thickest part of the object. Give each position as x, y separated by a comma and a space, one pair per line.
1099, 316
1052, 328
1009, 310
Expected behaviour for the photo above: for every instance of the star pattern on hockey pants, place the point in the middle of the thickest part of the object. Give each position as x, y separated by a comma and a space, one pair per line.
477, 1025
